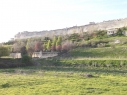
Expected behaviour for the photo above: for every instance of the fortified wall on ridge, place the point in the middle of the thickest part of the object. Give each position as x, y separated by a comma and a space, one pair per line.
105, 25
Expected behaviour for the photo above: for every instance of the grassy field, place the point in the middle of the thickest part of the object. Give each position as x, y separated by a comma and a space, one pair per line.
63, 81
106, 52
114, 51
69, 75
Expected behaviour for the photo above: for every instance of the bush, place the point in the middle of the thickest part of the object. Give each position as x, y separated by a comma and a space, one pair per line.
6, 85
3, 65
13, 63
27, 60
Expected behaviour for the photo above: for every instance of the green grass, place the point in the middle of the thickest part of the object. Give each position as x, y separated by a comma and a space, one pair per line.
83, 62
115, 51
112, 39
67, 76
106, 52
63, 81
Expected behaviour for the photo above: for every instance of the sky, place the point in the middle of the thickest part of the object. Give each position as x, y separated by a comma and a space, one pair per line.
38, 15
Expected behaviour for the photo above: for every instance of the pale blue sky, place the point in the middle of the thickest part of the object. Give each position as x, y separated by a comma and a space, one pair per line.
37, 15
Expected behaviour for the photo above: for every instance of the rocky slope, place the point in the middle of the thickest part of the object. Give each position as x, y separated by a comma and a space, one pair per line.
105, 25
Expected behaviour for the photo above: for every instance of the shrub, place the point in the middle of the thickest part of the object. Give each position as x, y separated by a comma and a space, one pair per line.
101, 45
3, 65
6, 85
4, 51
27, 60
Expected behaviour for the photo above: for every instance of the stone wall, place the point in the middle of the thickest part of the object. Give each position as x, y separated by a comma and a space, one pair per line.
105, 25
15, 55
44, 54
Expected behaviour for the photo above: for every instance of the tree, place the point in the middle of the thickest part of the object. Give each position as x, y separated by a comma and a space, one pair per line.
4, 51
53, 47
37, 46
27, 44
30, 51
30, 47
49, 45
101, 33
59, 41
67, 45
58, 44
18, 45
74, 37
23, 51
120, 32
58, 48
44, 47
27, 60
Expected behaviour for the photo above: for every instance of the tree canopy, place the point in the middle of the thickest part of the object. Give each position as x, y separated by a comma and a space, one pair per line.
4, 51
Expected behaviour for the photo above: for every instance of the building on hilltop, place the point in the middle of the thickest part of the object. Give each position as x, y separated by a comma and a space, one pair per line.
111, 31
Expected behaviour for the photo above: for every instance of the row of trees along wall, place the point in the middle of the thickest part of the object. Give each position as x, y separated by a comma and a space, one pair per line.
47, 44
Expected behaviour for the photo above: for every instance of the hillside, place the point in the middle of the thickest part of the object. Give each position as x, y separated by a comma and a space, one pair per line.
105, 25
99, 53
